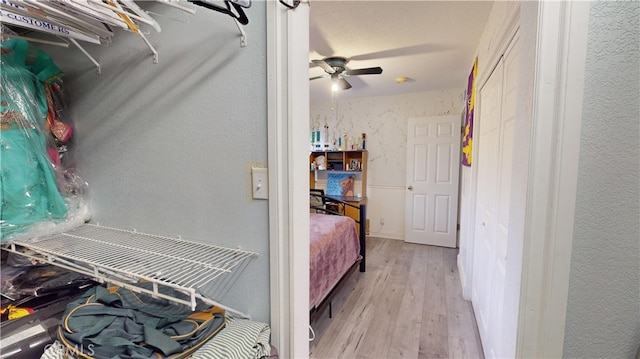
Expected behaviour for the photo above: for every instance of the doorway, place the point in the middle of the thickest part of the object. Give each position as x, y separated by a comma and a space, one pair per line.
552, 57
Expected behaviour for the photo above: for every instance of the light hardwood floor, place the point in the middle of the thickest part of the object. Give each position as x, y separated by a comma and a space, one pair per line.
408, 304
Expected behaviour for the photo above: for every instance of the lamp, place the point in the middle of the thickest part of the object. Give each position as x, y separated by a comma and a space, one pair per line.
334, 82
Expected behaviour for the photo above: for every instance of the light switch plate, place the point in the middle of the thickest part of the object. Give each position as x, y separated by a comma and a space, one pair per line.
259, 183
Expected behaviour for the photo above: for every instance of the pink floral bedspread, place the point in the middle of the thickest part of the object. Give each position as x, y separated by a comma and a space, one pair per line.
334, 249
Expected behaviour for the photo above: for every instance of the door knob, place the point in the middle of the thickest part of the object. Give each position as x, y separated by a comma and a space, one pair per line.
410, 188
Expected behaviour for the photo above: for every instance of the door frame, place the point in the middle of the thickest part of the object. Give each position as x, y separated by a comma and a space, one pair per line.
553, 159
287, 103
553, 172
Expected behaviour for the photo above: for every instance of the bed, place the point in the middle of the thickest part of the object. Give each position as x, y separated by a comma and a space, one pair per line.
336, 245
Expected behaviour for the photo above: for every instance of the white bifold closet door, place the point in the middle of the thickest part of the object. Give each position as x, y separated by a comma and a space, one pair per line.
494, 133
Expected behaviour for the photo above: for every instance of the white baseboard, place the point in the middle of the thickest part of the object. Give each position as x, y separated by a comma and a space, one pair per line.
388, 234
463, 277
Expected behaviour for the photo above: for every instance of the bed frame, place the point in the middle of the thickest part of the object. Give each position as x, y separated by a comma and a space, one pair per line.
320, 203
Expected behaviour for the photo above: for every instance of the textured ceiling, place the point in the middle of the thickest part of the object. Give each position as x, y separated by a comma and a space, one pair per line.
430, 42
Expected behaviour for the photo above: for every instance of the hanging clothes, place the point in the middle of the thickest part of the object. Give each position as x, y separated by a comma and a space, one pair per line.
28, 185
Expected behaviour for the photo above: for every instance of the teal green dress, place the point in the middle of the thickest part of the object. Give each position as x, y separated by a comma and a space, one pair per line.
28, 186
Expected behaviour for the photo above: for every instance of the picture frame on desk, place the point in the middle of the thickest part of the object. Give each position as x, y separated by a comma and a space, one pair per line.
341, 184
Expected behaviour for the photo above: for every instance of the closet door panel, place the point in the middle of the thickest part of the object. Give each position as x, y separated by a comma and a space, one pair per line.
496, 147
488, 124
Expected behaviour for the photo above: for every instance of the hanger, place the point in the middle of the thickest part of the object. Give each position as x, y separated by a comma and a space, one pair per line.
177, 6
4, 32
243, 3
291, 6
241, 17
87, 9
125, 16
33, 39
140, 12
43, 23
96, 28
183, 19
118, 9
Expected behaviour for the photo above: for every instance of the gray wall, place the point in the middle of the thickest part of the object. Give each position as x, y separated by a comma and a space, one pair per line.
167, 148
603, 312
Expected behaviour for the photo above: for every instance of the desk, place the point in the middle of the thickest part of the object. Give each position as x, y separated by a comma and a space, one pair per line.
353, 212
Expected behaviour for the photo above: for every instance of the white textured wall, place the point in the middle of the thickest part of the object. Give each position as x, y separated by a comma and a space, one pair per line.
384, 120
166, 148
603, 311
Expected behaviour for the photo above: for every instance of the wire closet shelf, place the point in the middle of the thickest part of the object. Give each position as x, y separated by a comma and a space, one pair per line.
124, 258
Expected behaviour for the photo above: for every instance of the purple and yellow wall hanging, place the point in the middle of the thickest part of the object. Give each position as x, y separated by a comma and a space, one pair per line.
467, 135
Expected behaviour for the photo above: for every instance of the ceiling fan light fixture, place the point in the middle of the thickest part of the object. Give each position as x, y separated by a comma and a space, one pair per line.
335, 87
335, 67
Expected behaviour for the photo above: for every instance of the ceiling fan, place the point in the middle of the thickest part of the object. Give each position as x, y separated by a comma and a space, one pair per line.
336, 68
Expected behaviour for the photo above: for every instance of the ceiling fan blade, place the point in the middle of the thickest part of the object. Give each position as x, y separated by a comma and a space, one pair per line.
317, 77
367, 71
344, 84
325, 66
422, 49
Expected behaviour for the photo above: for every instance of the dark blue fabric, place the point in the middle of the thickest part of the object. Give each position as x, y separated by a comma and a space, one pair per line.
125, 324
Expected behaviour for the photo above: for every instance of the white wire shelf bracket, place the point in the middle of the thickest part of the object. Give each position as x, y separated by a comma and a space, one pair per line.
124, 258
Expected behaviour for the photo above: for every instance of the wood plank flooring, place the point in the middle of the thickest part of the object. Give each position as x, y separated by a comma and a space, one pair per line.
408, 304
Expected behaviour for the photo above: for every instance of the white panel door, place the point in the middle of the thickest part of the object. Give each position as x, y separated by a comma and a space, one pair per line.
486, 134
494, 159
433, 167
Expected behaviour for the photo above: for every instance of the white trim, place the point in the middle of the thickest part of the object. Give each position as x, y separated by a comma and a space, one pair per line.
388, 235
463, 276
386, 186
288, 101
555, 144
278, 250
298, 154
